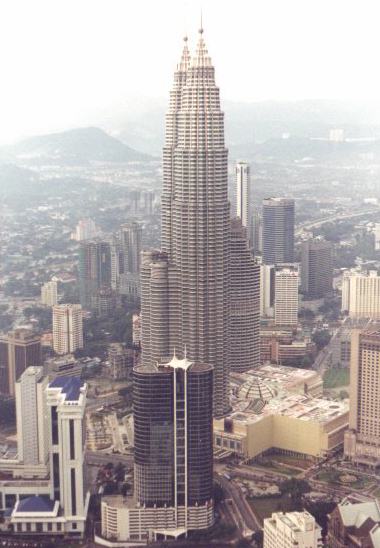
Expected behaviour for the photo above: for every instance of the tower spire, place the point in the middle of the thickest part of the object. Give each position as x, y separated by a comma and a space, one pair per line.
201, 57
184, 63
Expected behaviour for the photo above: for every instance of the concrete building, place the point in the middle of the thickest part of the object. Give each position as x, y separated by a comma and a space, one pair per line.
94, 270
185, 288
243, 195
362, 440
278, 230
49, 293
85, 230
316, 268
19, 349
136, 330
121, 360
173, 455
67, 328
351, 525
279, 409
286, 294
245, 302
131, 245
282, 348
292, 529
267, 290
31, 416
361, 294
63, 366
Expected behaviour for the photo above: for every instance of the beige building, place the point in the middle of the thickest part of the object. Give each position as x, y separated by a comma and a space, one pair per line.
286, 294
49, 293
361, 294
280, 412
67, 328
292, 529
362, 440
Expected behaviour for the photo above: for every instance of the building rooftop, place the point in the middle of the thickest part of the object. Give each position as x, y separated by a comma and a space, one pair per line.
70, 386
35, 504
354, 515
278, 377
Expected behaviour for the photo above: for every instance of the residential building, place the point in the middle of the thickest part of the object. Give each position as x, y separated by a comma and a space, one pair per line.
278, 230
94, 270
185, 287
316, 268
286, 294
362, 440
49, 293
85, 230
245, 302
283, 530
351, 525
67, 328
121, 361
19, 349
173, 455
131, 245
361, 294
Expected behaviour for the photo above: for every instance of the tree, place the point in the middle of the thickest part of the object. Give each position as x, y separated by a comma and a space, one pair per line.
321, 338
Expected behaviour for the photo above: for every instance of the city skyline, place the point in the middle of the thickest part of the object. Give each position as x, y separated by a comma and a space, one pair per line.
291, 72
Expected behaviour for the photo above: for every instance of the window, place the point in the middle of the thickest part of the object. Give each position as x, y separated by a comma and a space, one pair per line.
39, 527
73, 493
49, 526
54, 425
74, 525
72, 439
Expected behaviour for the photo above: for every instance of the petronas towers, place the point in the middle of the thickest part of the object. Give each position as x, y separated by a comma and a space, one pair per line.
185, 287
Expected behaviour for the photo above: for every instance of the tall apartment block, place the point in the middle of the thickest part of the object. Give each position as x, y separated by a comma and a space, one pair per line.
360, 294
94, 270
286, 295
362, 440
245, 302
267, 289
31, 417
49, 293
20, 349
130, 237
243, 194
67, 328
185, 288
278, 230
316, 268
292, 529
172, 405
85, 230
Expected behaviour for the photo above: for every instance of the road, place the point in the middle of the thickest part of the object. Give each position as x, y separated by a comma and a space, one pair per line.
239, 507
98, 459
340, 217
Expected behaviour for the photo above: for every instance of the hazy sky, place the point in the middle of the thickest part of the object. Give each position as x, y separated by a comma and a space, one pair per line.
65, 62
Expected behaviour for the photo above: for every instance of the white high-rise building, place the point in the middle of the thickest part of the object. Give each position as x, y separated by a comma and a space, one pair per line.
361, 294
32, 434
67, 328
267, 281
49, 293
286, 294
292, 529
243, 194
85, 230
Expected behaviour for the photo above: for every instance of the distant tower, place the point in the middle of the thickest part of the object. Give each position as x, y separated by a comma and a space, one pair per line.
286, 295
362, 440
243, 195
190, 279
20, 349
245, 303
31, 414
131, 243
95, 270
278, 230
67, 328
49, 293
316, 268
172, 404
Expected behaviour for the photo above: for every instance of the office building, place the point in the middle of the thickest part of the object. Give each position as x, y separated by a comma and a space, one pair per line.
121, 361
361, 294
243, 195
257, 231
94, 270
31, 413
64, 512
187, 284
67, 328
131, 244
316, 268
172, 404
281, 347
20, 349
286, 294
292, 529
245, 302
278, 230
49, 293
362, 440
354, 524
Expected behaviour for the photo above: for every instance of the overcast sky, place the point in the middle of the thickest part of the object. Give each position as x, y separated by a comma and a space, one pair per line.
64, 62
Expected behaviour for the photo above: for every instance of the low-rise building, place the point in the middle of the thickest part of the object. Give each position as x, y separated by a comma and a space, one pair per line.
351, 525
292, 529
